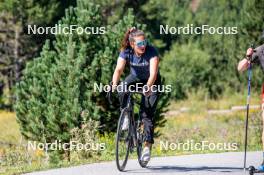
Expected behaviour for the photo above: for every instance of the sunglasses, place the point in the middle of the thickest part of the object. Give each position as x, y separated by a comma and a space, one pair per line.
141, 43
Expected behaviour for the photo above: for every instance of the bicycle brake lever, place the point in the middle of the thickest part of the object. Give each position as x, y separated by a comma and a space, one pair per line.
109, 94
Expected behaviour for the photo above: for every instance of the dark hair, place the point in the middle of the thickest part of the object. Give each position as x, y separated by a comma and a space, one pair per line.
129, 36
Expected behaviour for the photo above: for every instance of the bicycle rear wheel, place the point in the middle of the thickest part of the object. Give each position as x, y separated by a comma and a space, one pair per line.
140, 143
123, 140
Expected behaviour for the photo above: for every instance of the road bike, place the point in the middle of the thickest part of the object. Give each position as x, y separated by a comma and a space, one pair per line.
130, 137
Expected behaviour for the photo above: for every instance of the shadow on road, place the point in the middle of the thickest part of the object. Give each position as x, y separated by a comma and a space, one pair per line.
166, 169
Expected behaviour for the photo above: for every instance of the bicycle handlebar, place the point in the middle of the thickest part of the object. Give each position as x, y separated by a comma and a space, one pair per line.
110, 91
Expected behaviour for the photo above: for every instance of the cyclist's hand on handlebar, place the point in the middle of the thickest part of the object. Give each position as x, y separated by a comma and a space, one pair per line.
147, 91
113, 87
109, 93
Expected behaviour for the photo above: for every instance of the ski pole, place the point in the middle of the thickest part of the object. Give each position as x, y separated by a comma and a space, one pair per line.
246, 125
248, 100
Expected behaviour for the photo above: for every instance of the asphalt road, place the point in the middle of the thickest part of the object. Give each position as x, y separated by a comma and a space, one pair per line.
199, 164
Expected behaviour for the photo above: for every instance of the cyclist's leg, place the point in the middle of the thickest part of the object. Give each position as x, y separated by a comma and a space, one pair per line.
147, 114
130, 79
123, 96
147, 110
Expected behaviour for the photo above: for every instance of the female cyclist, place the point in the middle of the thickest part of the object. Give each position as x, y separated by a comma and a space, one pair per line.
144, 62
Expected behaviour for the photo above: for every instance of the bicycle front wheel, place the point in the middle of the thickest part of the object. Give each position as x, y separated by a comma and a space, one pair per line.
123, 139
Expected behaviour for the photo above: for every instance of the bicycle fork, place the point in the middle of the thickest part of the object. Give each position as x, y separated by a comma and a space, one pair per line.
131, 133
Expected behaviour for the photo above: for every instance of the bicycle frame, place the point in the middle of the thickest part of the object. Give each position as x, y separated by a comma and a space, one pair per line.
130, 107
135, 137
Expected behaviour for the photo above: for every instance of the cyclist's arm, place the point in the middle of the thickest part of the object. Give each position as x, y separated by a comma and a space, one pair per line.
121, 63
153, 70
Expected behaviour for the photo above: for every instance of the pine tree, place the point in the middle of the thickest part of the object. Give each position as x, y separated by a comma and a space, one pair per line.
59, 85
226, 50
16, 45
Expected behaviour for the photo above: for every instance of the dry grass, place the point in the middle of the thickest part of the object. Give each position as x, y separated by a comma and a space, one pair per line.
199, 102
195, 125
201, 126
9, 128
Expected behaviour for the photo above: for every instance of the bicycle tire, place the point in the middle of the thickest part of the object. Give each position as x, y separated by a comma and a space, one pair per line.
121, 166
140, 142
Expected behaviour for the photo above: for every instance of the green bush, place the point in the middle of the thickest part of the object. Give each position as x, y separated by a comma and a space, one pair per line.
186, 68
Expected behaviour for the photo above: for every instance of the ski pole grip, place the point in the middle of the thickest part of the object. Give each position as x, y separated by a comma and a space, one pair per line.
249, 57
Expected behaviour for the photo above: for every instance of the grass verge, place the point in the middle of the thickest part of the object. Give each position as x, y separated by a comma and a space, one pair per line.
195, 126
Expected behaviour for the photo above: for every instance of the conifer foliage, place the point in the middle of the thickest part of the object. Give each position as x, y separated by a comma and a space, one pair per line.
57, 87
